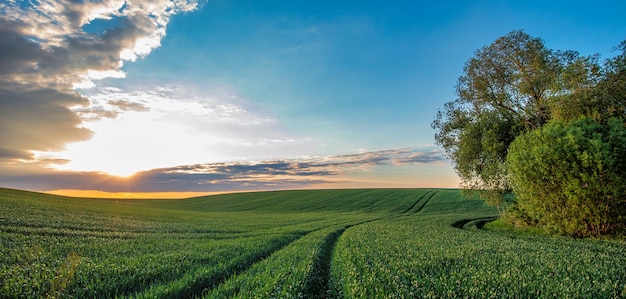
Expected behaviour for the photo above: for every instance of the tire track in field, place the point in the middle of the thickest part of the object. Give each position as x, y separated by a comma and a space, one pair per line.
423, 201
318, 281
196, 285
416, 202
316, 285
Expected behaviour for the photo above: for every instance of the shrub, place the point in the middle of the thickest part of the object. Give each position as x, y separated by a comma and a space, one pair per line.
571, 177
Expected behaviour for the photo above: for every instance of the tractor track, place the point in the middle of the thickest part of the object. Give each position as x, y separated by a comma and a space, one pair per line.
422, 202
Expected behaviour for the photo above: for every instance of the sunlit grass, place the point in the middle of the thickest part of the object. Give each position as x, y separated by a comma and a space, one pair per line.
337, 243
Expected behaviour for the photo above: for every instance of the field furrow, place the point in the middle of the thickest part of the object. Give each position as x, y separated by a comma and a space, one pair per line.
416, 203
203, 279
427, 197
318, 279
378, 243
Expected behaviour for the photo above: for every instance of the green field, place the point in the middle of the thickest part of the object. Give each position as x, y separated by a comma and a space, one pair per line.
379, 243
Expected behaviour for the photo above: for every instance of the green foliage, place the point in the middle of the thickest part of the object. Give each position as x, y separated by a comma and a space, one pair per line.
517, 85
502, 93
588, 89
64, 276
572, 177
610, 93
290, 244
513, 76
576, 88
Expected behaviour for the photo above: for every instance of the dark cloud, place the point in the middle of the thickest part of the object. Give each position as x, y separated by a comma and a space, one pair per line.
44, 53
263, 175
34, 112
11, 154
36, 118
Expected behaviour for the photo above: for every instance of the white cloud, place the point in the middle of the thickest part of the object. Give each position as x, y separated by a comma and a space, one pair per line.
50, 48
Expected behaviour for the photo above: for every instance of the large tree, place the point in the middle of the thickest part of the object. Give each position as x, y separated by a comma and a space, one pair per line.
502, 93
560, 119
507, 88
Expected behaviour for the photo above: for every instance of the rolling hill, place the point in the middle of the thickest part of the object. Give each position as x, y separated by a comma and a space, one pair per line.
362, 243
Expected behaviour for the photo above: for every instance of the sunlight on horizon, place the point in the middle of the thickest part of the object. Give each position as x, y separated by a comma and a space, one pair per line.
153, 127
129, 195
133, 142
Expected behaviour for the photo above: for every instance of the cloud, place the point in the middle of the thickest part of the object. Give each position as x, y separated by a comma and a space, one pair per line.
48, 47
172, 124
243, 175
37, 118
129, 106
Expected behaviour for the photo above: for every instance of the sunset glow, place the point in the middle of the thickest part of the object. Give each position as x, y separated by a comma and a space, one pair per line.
129, 195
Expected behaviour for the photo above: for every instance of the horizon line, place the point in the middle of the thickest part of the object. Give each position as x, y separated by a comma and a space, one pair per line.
180, 195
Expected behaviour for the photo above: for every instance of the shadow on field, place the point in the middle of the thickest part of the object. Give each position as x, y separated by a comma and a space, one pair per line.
473, 223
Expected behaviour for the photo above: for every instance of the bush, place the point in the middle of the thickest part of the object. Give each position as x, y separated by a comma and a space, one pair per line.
571, 177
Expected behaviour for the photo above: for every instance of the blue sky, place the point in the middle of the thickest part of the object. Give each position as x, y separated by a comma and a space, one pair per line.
354, 76
156, 87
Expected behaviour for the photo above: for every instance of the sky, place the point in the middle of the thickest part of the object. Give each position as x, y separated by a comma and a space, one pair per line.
184, 97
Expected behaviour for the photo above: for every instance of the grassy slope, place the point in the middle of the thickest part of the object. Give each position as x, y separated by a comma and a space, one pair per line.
298, 201
150, 247
287, 244
426, 255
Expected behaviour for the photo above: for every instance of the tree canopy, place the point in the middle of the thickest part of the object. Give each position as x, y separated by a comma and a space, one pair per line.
515, 86
503, 92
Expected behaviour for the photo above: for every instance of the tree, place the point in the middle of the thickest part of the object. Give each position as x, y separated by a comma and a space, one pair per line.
575, 87
513, 86
546, 126
502, 93
586, 88
610, 93
571, 177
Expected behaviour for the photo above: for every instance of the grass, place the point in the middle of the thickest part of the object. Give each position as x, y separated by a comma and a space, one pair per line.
376, 243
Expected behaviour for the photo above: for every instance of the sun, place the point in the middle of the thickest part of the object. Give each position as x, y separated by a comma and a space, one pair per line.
121, 147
